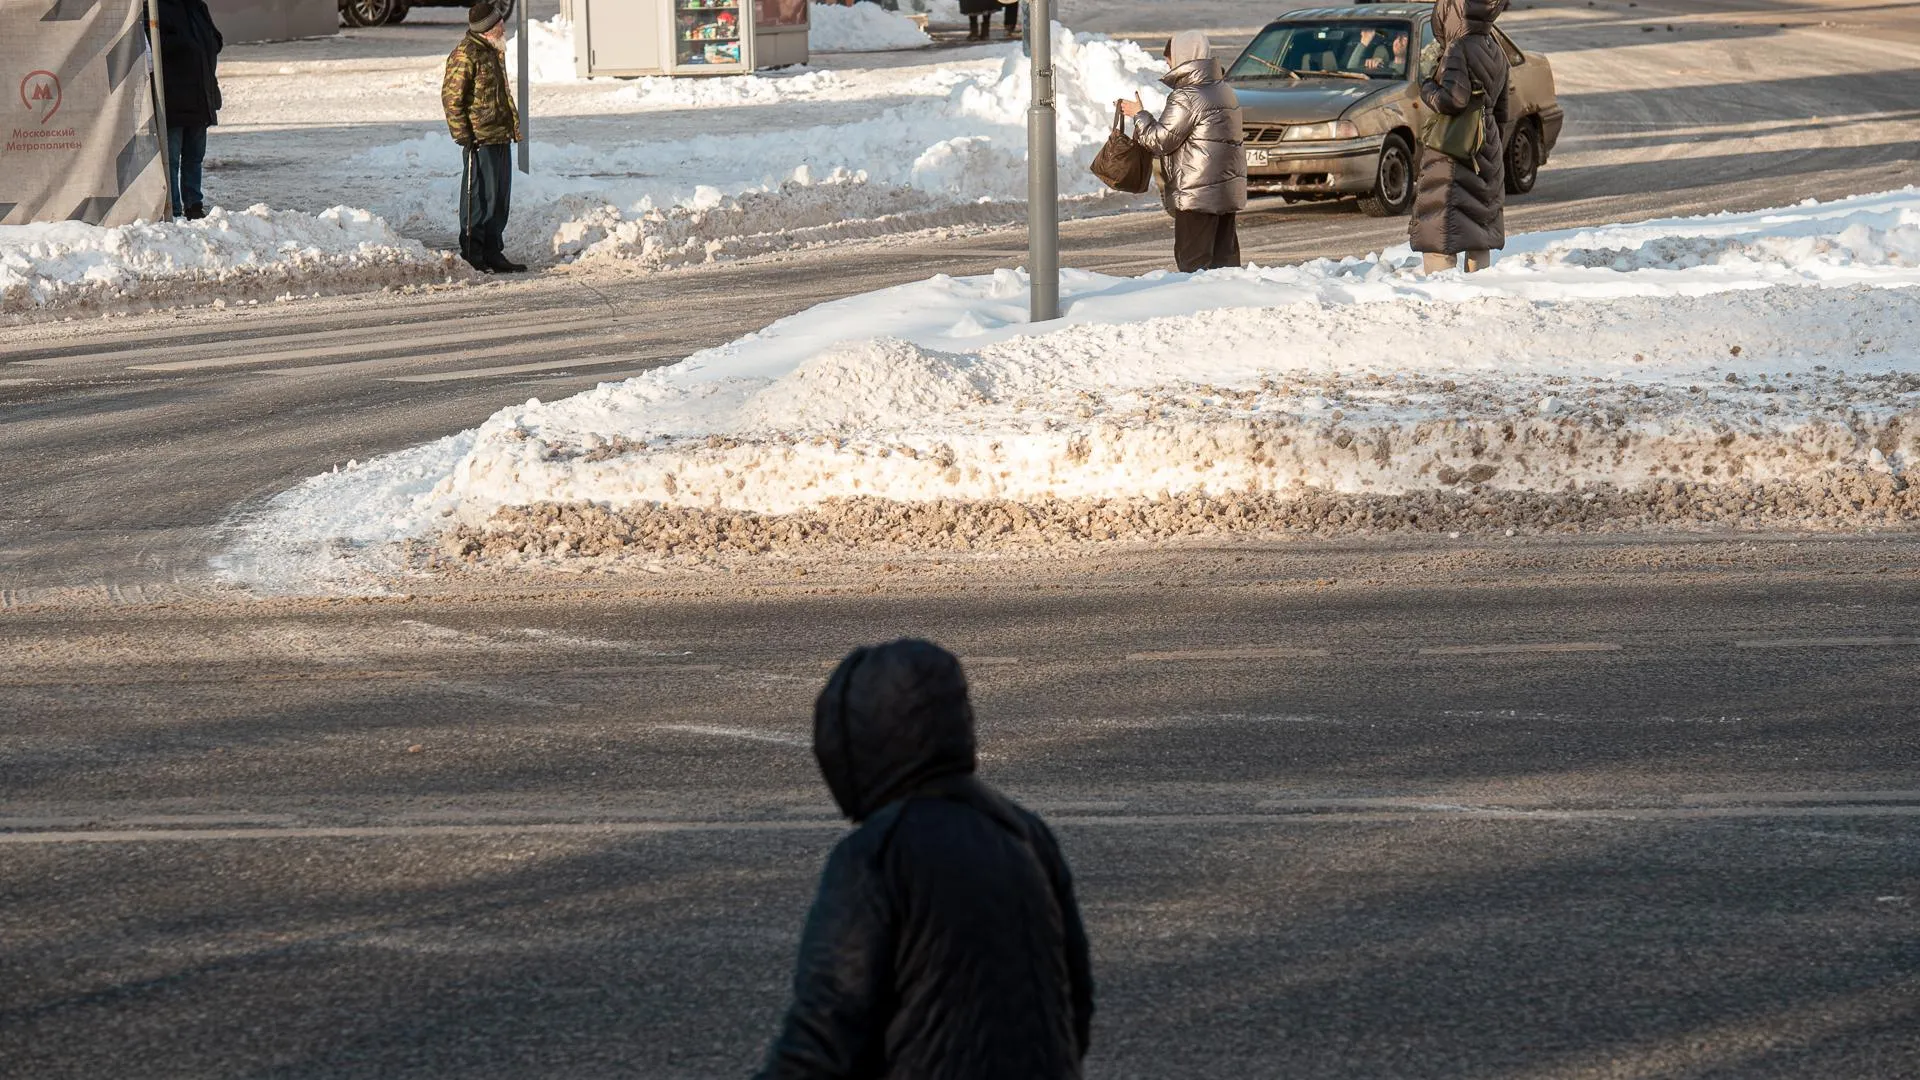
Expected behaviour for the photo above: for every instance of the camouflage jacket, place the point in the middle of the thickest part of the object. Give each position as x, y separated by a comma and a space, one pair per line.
478, 101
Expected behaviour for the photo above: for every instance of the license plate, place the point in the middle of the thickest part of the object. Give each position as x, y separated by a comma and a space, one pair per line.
1257, 158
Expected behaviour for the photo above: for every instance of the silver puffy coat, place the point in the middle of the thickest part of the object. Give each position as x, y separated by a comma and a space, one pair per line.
1200, 141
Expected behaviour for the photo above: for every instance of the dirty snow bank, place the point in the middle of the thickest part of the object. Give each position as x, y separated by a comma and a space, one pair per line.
1746, 367
953, 153
228, 254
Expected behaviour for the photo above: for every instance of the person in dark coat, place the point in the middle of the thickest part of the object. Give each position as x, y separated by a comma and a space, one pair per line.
979, 15
189, 54
1460, 208
945, 942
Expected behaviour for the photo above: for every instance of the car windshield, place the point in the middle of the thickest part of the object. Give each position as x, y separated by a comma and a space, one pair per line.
1329, 50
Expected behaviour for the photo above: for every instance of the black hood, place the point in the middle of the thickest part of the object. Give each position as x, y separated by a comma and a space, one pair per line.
892, 718
1452, 18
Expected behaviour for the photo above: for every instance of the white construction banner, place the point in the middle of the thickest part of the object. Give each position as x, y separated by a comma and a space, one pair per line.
81, 140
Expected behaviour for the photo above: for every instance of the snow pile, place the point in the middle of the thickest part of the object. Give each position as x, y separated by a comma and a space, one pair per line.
941, 12
549, 52
725, 91
863, 27
254, 251
1553, 374
955, 154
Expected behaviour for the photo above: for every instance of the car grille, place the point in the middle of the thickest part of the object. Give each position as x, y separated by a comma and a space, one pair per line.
1262, 135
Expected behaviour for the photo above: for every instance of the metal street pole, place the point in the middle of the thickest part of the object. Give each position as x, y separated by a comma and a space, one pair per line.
526, 121
160, 105
1043, 180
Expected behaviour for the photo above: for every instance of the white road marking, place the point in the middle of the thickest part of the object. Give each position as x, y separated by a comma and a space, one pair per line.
1801, 797
1504, 650
407, 337
1827, 643
446, 633
737, 733
115, 349
17, 382
1252, 652
513, 697
555, 637
511, 369
1069, 820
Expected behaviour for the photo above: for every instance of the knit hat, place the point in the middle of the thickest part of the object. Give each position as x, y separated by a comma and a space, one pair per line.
482, 17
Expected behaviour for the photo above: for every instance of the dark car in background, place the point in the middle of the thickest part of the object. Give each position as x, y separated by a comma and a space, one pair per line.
1331, 101
382, 12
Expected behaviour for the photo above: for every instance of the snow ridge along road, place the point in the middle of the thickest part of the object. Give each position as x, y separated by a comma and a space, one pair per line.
1775, 349
1662, 123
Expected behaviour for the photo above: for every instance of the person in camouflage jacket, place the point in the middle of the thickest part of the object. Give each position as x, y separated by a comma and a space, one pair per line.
481, 118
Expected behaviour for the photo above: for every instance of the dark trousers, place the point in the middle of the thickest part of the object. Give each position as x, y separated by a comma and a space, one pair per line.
980, 25
485, 189
1204, 241
186, 157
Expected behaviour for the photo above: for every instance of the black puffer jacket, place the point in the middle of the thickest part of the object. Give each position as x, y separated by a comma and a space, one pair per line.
945, 942
189, 53
1458, 208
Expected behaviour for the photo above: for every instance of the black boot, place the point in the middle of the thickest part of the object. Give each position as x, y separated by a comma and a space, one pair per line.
194, 212
500, 264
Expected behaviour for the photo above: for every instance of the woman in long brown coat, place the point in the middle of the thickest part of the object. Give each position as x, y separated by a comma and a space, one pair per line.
1460, 208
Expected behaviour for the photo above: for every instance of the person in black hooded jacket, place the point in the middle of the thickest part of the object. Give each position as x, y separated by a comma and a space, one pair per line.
190, 47
945, 942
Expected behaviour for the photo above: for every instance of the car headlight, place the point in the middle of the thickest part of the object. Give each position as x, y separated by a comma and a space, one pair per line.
1332, 129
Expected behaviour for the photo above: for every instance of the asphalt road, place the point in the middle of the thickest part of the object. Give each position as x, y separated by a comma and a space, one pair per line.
1492, 809
1512, 809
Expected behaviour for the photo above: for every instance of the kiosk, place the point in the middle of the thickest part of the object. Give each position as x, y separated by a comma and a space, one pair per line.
687, 37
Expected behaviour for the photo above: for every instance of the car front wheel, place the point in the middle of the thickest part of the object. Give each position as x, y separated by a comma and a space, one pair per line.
1523, 158
368, 12
1392, 194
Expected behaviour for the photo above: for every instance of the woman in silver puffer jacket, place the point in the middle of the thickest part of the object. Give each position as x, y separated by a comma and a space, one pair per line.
1199, 140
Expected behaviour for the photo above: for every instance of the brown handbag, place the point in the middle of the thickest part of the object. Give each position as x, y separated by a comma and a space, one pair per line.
1122, 164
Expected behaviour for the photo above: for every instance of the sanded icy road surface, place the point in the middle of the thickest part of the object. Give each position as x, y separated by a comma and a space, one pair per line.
1341, 810
1500, 810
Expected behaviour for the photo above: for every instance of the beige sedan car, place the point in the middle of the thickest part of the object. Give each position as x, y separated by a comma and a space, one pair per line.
1331, 99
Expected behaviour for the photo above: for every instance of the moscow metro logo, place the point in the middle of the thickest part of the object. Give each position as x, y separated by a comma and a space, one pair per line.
40, 93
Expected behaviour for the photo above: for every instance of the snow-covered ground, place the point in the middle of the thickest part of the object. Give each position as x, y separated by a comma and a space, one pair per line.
245, 254
1725, 354
653, 171
862, 27
941, 143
